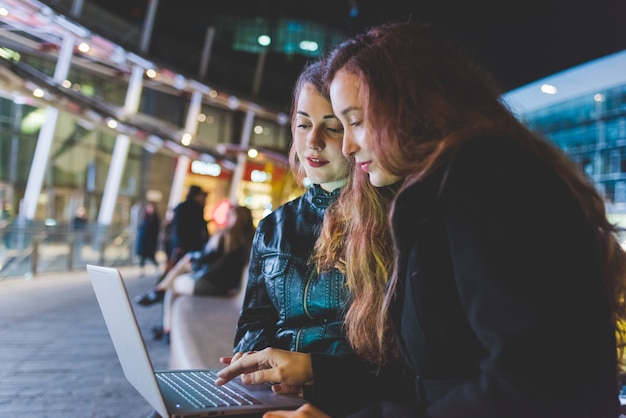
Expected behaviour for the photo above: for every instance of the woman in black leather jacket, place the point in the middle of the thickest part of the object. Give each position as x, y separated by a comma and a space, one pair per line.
288, 304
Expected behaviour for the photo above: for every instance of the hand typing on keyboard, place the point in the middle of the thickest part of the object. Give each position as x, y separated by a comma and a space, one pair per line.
287, 370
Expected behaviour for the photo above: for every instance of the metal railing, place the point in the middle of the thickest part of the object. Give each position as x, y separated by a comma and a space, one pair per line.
26, 251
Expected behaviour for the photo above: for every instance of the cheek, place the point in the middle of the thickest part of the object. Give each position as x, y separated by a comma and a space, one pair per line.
362, 139
345, 167
299, 144
333, 145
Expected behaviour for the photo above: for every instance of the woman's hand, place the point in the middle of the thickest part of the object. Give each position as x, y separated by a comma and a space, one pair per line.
237, 356
290, 370
276, 387
305, 411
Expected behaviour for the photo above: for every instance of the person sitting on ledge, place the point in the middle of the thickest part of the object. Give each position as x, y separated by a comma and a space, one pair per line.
215, 271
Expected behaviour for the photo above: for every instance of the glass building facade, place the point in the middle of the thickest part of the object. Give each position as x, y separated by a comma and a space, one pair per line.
83, 147
583, 111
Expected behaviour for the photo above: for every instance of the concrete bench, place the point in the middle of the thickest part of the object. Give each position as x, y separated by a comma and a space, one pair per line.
203, 329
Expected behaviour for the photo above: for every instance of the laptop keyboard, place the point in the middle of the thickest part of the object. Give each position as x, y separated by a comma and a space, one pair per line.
199, 389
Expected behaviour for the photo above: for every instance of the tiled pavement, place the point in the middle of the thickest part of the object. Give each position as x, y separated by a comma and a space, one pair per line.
56, 357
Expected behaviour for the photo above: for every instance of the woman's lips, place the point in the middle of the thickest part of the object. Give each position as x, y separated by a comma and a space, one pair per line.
316, 162
365, 166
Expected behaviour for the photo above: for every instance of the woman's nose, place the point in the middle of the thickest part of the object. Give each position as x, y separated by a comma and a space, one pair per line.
348, 146
315, 140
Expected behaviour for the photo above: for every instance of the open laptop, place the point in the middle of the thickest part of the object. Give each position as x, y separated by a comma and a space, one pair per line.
170, 392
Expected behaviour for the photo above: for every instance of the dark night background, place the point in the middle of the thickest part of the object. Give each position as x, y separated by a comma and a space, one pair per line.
518, 41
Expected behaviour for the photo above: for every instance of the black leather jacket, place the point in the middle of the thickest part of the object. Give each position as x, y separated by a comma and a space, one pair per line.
287, 304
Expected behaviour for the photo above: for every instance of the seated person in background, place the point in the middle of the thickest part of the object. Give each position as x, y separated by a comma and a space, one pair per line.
289, 302
215, 271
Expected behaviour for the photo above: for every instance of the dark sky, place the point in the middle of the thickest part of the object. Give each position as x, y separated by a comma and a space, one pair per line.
521, 41
518, 41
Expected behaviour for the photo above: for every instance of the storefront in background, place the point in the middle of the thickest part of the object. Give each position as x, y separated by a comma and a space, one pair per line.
264, 186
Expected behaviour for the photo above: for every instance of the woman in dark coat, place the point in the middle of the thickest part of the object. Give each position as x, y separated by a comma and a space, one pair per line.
148, 236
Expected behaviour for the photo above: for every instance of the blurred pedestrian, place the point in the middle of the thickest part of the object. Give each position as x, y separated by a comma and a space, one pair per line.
148, 236
79, 221
79, 228
6, 219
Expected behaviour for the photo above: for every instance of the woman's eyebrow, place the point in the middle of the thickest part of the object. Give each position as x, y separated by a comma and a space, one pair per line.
349, 109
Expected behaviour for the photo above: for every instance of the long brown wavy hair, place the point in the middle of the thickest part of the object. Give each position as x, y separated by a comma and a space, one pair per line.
424, 96
355, 238
240, 232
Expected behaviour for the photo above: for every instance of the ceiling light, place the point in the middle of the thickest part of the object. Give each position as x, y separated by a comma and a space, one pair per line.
282, 119
233, 102
180, 82
548, 89
310, 46
186, 139
264, 40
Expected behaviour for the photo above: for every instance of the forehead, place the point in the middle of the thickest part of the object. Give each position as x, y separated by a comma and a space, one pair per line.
346, 84
347, 93
309, 93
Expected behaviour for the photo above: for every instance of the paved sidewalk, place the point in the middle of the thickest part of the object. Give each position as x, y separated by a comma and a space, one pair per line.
56, 357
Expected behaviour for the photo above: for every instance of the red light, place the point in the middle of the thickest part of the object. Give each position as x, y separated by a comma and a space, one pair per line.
220, 213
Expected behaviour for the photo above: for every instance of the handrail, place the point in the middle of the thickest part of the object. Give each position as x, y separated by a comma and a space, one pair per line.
27, 251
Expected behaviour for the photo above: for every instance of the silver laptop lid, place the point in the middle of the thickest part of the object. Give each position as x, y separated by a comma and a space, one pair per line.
122, 324
126, 335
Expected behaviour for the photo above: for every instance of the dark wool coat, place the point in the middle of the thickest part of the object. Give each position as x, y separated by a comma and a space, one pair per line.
500, 308
189, 230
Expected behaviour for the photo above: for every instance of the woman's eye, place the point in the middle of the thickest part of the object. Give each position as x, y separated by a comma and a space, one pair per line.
335, 130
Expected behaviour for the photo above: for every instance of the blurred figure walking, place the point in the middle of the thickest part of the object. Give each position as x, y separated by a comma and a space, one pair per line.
148, 237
